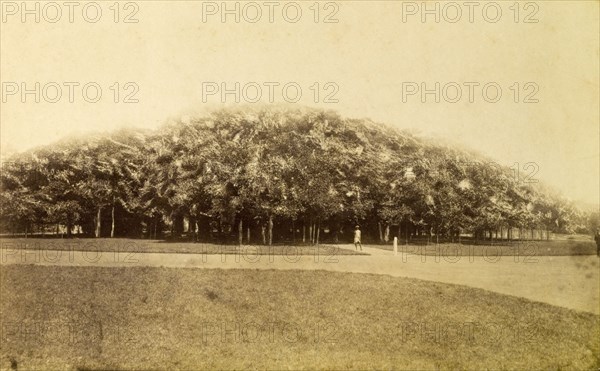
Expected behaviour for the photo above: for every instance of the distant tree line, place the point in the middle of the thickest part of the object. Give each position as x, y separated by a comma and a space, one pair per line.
269, 175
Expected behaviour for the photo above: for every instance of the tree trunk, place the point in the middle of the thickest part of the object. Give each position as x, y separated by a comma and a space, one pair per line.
380, 232
263, 234
270, 230
112, 221
303, 233
155, 226
248, 234
318, 230
310, 232
240, 232
172, 227
69, 226
26, 229
98, 222
293, 232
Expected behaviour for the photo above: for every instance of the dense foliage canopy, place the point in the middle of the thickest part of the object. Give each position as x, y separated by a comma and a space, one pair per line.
250, 169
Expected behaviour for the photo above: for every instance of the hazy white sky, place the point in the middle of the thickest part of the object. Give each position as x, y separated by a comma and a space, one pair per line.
368, 56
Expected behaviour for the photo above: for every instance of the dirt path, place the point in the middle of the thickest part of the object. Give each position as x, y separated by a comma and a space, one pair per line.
566, 281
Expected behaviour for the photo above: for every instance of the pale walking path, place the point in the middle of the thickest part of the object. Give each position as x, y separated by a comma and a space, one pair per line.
566, 281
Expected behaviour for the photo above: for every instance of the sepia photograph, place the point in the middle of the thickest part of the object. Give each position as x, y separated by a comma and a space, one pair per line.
300, 185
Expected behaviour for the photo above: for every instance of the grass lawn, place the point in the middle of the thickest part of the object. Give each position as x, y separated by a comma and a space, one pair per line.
155, 246
163, 318
559, 247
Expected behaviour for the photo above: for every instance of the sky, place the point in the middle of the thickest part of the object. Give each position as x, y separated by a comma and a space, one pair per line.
156, 60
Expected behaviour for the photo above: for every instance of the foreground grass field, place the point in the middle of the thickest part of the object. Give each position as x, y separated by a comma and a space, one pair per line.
125, 318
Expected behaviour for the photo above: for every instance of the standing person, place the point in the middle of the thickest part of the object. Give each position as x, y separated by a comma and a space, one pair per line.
357, 238
597, 239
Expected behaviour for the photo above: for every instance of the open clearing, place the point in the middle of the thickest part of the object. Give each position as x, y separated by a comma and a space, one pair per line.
139, 317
